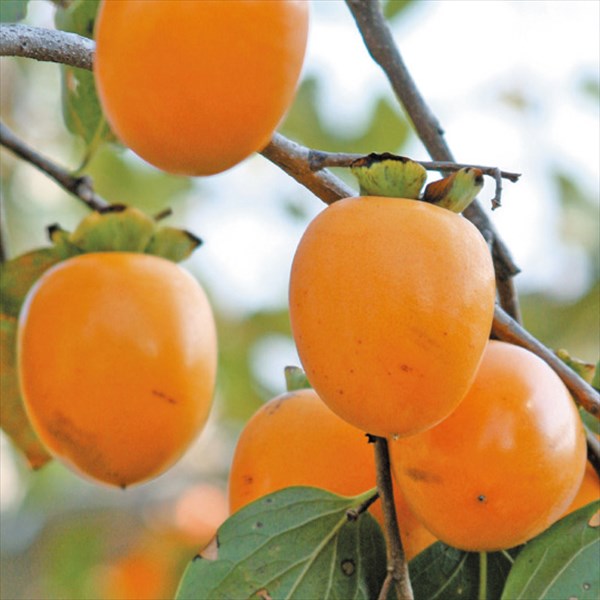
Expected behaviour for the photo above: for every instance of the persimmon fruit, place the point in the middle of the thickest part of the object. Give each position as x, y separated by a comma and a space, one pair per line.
391, 305
589, 490
295, 440
196, 87
504, 465
117, 360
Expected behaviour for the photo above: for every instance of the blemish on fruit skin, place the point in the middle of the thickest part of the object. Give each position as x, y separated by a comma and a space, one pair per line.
248, 479
164, 396
424, 476
482, 498
274, 407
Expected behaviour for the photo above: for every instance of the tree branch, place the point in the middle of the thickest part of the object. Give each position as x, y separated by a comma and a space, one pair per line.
319, 159
78, 186
380, 43
46, 45
293, 159
508, 330
397, 567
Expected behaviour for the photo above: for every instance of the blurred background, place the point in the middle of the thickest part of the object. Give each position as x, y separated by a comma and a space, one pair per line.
514, 84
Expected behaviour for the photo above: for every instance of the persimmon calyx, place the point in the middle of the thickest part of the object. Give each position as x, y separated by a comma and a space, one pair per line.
456, 191
389, 175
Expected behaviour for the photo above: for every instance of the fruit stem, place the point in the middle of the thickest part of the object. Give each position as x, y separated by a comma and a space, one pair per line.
483, 567
397, 575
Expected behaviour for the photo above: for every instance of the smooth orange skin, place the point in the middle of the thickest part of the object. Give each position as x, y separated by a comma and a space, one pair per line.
391, 304
294, 439
589, 491
117, 356
196, 87
505, 465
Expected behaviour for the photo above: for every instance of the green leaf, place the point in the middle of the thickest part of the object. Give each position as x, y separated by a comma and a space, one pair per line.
393, 8
13, 418
296, 379
389, 175
81, 109
445, 573
596, 379
19, 274
562, 562
12, 11
296, 544
584, 369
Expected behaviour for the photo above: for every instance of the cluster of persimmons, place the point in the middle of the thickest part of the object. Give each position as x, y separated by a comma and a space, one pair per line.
391, 303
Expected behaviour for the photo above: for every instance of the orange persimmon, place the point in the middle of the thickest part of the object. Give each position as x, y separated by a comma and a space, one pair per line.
196, 87
117, 359
391, 305
505, 465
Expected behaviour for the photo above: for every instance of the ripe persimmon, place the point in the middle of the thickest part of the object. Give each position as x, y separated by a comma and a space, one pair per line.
117, 360
294, 439
504, 465
589, 490
196, 87
391, 304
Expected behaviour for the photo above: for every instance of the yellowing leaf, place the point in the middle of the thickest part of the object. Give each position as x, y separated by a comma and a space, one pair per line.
13, 418
456, 191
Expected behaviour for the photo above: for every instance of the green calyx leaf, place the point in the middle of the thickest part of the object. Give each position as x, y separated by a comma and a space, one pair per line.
456, 191
116, 229
560, 563
172, 243
13, 418
124, 229
389, 175
296, 379
297, 543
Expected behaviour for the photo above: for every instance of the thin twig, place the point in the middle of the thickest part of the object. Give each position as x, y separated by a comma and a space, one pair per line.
80, 186
380, 43
48, 45
508, 330
354, 513
319, 159
397, 565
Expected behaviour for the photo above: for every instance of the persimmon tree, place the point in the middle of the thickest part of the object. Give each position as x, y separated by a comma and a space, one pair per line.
302, 530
